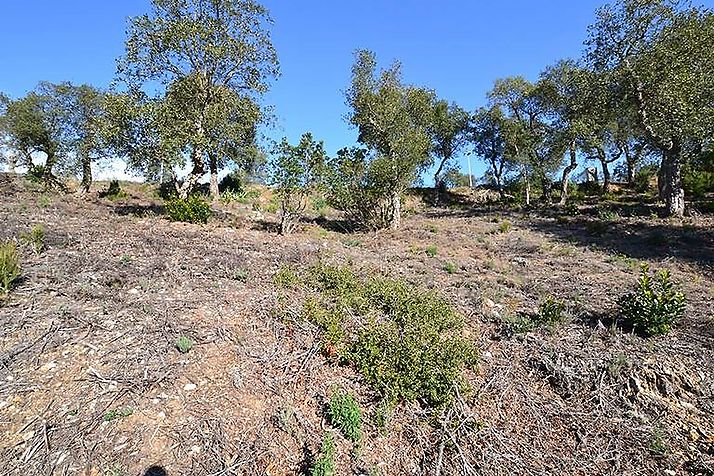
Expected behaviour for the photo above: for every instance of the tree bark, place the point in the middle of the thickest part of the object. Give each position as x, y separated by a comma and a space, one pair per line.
86, 176
189, 184
566, 175
605, 170
672, 179
49, 179
213, 166
396, 206
11, 162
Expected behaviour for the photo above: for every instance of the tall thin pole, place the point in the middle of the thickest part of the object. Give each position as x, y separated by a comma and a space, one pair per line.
471, 181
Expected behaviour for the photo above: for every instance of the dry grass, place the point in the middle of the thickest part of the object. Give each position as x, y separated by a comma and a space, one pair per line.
92, 328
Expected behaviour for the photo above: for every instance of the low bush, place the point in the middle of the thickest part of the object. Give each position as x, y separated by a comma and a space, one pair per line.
405, 341
550, 312
654, 306
35, 174
345, 414
114, 191
9, 266
191, 210
35, 238
325, 463
184, 344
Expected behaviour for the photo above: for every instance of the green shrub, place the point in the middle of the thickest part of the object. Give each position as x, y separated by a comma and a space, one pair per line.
504, 227
35, 174
191, 210
184, 344
414, 352
643, 179
114, 191
112, 415
450, 267
654, 306
286, 277
325, 463
9, 266
697, 183
345, 414
550, 312
35, 238
431, 251
406, 342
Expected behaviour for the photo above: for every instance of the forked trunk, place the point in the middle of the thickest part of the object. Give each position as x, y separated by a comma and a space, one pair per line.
605, 170
566, 175
191, 181
50, 180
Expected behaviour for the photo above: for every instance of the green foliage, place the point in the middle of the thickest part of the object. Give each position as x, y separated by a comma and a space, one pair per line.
35, 173
112, 415
286, 277
191, 210
35, 238
184, 344
393, 121
643, 179
450, 267
504, 227
405, 342
550, 312
431, 251
296, 173
114, 191
654, 306
345, 414
697, 183
9, 266
325, 463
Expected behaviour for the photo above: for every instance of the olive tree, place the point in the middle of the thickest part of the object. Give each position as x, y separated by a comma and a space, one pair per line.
392, 119
209, 56
661, 52
448, 131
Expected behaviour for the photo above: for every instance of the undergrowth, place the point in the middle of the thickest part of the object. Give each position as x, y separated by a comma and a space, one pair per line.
191, 210
9, 266
655, 305
345, 414
405, 341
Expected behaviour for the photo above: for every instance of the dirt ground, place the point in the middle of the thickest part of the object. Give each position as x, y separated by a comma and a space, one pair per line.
91, 381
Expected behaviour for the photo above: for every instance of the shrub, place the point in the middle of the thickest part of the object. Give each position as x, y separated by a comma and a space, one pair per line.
35, 238
184, 344
9, 266
550, 312
191, 210
504, 227
35, 174
654, 306
405, 341
644, 178
286, 277
325, 463
345, 414
697, 183
450, 267
114, 191
431, 251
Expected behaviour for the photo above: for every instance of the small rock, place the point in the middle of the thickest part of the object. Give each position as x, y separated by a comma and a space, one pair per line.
189, 387
133, 291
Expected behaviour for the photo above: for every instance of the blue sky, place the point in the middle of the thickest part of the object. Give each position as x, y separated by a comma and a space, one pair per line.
457, 48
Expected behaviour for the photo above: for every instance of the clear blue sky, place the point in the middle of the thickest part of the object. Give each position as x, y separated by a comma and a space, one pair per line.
456, 47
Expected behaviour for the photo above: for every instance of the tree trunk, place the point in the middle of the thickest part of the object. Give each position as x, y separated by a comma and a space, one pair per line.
438, 182
215, 192
86, 176
527, 185
11, 162
566, 175
396, 205
191, 181
49, 179
672, 175
605, 170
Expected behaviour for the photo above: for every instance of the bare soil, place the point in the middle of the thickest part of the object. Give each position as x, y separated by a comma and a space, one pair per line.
91, 381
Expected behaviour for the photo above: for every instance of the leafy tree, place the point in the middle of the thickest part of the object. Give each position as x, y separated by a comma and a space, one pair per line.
210, 56
660, 53
488, 137
530, 138
297, 172
34, 124
448, 130
392, 119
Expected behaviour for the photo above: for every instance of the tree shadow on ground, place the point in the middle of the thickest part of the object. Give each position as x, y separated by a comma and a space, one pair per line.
139, 210
155, 471
635, 239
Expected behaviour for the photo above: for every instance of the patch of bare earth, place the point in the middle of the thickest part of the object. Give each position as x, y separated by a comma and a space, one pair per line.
91, 381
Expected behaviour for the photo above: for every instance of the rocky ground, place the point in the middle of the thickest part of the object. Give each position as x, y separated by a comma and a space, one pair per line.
91, 381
